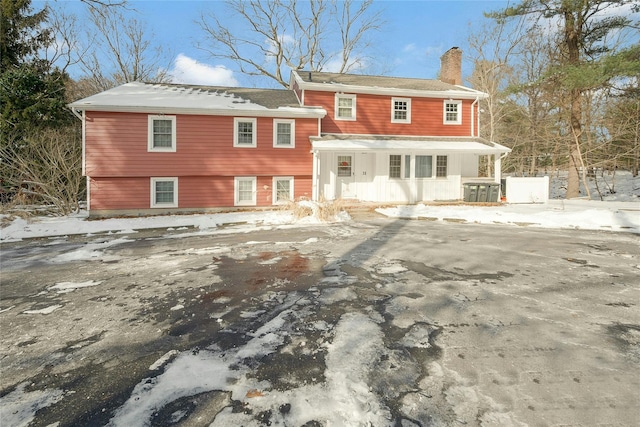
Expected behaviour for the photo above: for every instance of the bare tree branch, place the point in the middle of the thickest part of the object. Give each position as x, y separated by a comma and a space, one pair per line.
278, 33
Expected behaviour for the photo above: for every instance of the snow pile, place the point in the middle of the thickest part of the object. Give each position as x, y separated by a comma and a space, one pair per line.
571, 214
80, 224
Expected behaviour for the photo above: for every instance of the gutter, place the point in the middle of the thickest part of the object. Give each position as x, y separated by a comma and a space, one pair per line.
76, 112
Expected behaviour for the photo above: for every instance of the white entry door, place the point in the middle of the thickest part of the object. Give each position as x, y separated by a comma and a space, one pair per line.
345, 176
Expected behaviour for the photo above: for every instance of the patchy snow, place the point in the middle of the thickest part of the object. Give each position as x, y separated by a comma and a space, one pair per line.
618, 211
46, 310
64, 287
18, 408
575, 214
352, 349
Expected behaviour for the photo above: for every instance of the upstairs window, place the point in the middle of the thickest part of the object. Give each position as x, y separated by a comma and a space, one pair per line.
244, 132
441, 166
400, 110
162, 133
284, 133
345, 107
452, 112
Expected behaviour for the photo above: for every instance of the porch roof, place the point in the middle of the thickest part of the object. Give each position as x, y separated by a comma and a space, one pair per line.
469, 145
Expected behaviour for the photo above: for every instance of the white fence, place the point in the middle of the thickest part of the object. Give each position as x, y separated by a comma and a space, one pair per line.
527, 189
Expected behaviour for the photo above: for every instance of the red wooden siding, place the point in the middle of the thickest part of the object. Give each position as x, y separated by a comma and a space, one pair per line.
373, 116
116, 145
194, 192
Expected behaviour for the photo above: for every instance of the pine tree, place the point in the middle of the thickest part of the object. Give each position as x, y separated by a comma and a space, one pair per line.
585, 61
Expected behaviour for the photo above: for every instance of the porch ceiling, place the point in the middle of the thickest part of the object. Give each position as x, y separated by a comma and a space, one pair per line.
444, 145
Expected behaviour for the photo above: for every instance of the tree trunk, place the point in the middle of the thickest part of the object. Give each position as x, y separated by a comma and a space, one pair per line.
575, 97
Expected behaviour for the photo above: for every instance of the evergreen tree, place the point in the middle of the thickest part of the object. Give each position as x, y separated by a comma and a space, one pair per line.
32, 94
32, 101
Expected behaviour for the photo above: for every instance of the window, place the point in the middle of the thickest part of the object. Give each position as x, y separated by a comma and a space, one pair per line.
345, 107
424, 166
407, 166
244, 132
282, 189
162, 133
395, 165
441, 166
284, 133
164, 192
452, 112
400, 110
344, 165
245, 191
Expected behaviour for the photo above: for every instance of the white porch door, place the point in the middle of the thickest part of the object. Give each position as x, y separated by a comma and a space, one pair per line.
345, 176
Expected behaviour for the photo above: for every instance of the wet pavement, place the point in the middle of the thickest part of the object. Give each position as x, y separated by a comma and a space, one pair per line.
369, 322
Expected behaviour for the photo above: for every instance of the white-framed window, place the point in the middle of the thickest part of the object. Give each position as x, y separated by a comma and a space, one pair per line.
344, 165
395, 166
245, 132
452, 112
400, 110
407, 166
164, 192
284, 133
441, 166
245, 190
161, 133
345, 107
424, 167
282, 189
416, 166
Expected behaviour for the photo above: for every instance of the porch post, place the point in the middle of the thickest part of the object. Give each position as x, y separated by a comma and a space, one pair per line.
314, 177
497, 168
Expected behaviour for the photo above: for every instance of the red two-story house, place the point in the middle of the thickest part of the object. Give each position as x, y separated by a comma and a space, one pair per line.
152, 148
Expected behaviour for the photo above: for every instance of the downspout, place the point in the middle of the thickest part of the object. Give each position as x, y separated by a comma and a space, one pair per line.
76, 113
473, 117
81, 116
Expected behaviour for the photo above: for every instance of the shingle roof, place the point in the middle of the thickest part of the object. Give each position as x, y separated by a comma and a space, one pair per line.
377, 81
268, 98
143, 97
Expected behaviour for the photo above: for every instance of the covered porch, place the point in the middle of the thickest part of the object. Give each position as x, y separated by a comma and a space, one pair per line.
400, 169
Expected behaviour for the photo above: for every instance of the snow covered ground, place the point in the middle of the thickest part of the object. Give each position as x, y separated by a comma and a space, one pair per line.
364, 361
619, 211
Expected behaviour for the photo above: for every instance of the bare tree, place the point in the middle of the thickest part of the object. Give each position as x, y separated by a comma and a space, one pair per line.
118, 50
48, 169
583, 30
278, 34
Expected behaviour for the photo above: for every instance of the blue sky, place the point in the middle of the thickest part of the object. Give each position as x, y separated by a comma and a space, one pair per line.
415, 35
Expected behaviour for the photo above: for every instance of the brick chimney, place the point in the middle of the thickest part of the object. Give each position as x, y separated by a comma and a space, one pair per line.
451, 66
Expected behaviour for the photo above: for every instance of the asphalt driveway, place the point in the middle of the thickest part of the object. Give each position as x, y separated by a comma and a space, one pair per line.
369, 322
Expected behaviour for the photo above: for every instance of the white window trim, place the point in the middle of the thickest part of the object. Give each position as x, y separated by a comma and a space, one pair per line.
150, 146
393, 110
401, 166
435, 169
175, 193
236, 191
254, 134
353, 106
444, 112
275, 133
275, 189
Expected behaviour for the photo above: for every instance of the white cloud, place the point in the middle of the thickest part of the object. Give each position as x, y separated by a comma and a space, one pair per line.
189, 71
409, 48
